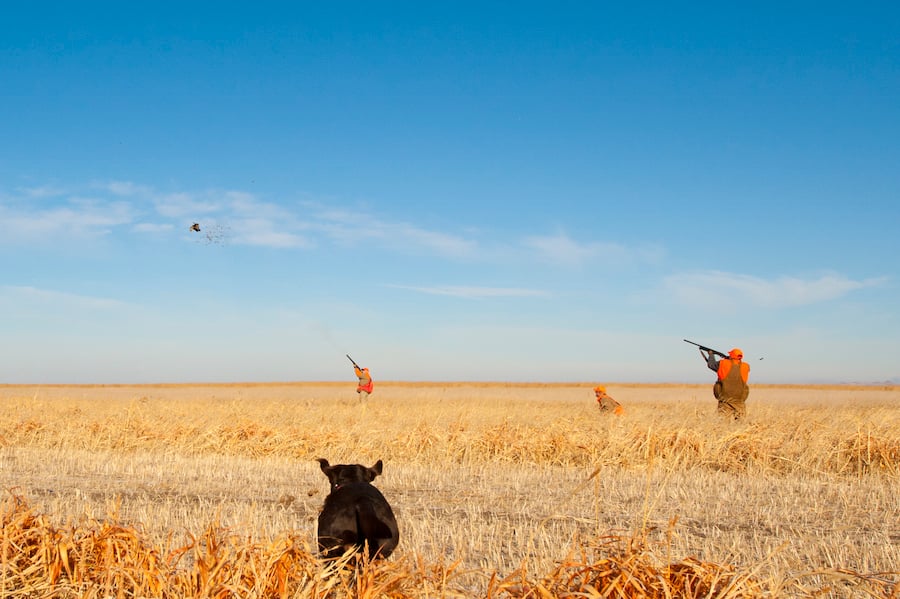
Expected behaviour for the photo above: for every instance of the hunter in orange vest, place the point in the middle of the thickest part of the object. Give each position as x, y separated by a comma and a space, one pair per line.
605, 402
366, 384
731, 388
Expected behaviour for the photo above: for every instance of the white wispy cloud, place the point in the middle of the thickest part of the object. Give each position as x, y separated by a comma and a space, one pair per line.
153, 227
261, 232
474, 292
89, 212
243, 218
350, 228
124, 188
561, 249
31, 297
41, 191
242, 202
186, 205
237, 216
51, 213
74, 216
252, 221
441, 243
716, 288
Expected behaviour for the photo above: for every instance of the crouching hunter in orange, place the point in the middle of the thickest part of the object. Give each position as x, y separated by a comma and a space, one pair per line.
731, 388
605, 402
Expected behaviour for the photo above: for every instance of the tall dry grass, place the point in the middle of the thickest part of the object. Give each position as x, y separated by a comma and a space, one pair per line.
501, 490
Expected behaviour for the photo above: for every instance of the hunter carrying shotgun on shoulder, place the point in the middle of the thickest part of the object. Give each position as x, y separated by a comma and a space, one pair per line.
366, 384
731, 388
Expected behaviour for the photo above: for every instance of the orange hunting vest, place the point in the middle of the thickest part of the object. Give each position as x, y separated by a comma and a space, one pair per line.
733, 380
725, 368
365, 382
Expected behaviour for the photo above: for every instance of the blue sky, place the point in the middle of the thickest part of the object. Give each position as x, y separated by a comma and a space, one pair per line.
448, 191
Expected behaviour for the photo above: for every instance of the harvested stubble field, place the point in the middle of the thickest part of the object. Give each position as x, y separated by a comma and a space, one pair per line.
501, 490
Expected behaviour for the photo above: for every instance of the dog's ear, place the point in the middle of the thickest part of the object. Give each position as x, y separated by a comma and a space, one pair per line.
376, 469
326, 468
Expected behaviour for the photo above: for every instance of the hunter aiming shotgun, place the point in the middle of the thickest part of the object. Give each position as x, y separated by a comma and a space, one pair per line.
730, 389
366, 384
708, 349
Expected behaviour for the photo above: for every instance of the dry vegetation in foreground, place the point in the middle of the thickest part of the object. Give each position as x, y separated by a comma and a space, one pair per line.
501, 490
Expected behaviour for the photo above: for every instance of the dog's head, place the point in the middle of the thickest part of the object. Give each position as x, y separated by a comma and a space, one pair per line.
344, 474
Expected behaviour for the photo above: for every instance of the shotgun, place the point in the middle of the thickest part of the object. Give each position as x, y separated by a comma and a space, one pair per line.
709, 349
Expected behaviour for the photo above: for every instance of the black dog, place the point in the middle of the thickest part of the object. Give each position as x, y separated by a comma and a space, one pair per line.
355, 513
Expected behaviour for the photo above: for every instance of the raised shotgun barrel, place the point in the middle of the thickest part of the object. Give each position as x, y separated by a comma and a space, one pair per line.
709, 349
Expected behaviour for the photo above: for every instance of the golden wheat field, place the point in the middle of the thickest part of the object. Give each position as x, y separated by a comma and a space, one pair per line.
500, 490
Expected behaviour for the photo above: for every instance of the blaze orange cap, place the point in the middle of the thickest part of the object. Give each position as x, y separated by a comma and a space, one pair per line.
600, 389
736, 354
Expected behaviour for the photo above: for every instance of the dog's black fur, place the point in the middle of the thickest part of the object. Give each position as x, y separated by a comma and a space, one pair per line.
355, 513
